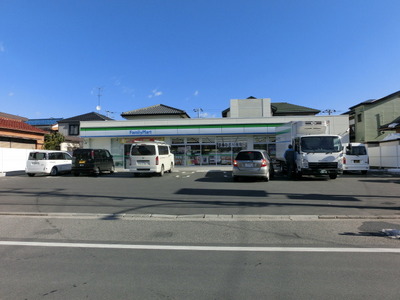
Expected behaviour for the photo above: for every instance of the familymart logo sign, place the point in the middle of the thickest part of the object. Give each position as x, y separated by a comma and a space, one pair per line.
140, 132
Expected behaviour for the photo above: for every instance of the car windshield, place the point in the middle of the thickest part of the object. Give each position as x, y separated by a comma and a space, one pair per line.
321, 144
82, 154
356, 150
249, 155
143, 150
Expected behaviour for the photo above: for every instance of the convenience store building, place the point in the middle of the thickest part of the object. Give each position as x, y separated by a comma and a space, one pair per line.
247, 124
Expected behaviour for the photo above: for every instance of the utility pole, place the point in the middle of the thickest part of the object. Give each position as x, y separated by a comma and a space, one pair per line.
198, 110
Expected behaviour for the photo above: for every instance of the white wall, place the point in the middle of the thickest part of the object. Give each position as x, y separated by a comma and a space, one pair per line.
385, 154
13, 159
250, 108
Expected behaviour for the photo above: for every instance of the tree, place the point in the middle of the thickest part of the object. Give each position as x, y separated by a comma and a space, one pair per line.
53, 140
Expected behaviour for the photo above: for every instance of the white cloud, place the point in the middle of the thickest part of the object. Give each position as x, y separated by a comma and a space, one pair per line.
196, 93
207, 115
155, 93
2, 48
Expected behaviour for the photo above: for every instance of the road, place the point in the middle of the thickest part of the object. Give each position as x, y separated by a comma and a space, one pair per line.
198, 236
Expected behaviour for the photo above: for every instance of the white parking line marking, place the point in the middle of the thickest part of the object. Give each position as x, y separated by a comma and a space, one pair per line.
200, 248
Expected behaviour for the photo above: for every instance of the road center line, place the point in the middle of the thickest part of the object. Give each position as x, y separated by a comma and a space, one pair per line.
200, 248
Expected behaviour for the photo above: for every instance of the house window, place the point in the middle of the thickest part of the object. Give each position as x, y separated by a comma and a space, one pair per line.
73, 129
359, 118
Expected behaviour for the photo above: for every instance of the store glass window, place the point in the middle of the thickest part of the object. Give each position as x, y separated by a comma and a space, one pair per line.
193, 155
177, 140
208, 155
179, 153
208, 140
193, 140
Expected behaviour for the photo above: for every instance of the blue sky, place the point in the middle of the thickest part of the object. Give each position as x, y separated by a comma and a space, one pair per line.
189, 54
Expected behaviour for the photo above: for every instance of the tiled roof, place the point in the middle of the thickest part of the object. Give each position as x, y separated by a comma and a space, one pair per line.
43, 122
286, 108
93, 116
159, 109
14, 117
19, 126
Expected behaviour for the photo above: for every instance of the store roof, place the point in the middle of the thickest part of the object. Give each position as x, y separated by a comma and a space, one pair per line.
159, 109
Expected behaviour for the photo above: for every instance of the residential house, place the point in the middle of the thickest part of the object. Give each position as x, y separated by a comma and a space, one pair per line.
16, 134
253, 107
368, 117
69, 128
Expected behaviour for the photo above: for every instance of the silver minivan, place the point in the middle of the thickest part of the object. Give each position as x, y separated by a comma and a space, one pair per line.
151, 157
50, 162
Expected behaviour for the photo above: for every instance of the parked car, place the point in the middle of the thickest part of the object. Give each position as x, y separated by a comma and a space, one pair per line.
252, 163
92, 161
356, 158
49, 162
151, 157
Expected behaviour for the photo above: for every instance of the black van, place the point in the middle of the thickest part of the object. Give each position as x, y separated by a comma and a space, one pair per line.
92, 161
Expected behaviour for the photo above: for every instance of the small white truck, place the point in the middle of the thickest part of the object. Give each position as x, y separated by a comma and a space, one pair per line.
317, 152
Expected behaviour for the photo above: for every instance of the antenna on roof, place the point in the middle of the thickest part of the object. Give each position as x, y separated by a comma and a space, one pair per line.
98, 107
198, 110
328, 111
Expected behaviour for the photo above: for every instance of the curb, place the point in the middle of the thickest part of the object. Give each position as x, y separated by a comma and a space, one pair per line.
198, 217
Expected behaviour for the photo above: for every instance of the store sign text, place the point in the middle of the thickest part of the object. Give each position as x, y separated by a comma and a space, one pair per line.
140, 132
231, 144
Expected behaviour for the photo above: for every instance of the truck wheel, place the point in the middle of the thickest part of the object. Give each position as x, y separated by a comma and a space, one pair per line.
31, 174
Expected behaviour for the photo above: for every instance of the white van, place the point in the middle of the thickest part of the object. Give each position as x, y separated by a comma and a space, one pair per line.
48, 162
356, 158
151, 157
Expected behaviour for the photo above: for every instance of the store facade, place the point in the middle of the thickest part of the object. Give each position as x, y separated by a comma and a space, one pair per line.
195, 142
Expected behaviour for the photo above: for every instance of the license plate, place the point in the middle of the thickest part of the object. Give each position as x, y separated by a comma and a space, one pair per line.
356, 161
248, 165
82, 161
35, 163
143, 163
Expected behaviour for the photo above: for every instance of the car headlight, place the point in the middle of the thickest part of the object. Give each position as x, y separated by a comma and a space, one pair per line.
304, 162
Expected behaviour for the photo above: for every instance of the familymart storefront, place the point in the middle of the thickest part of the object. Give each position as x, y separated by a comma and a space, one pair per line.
193, 142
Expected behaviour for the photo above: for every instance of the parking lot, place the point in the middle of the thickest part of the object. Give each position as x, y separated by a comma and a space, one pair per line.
202, 192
